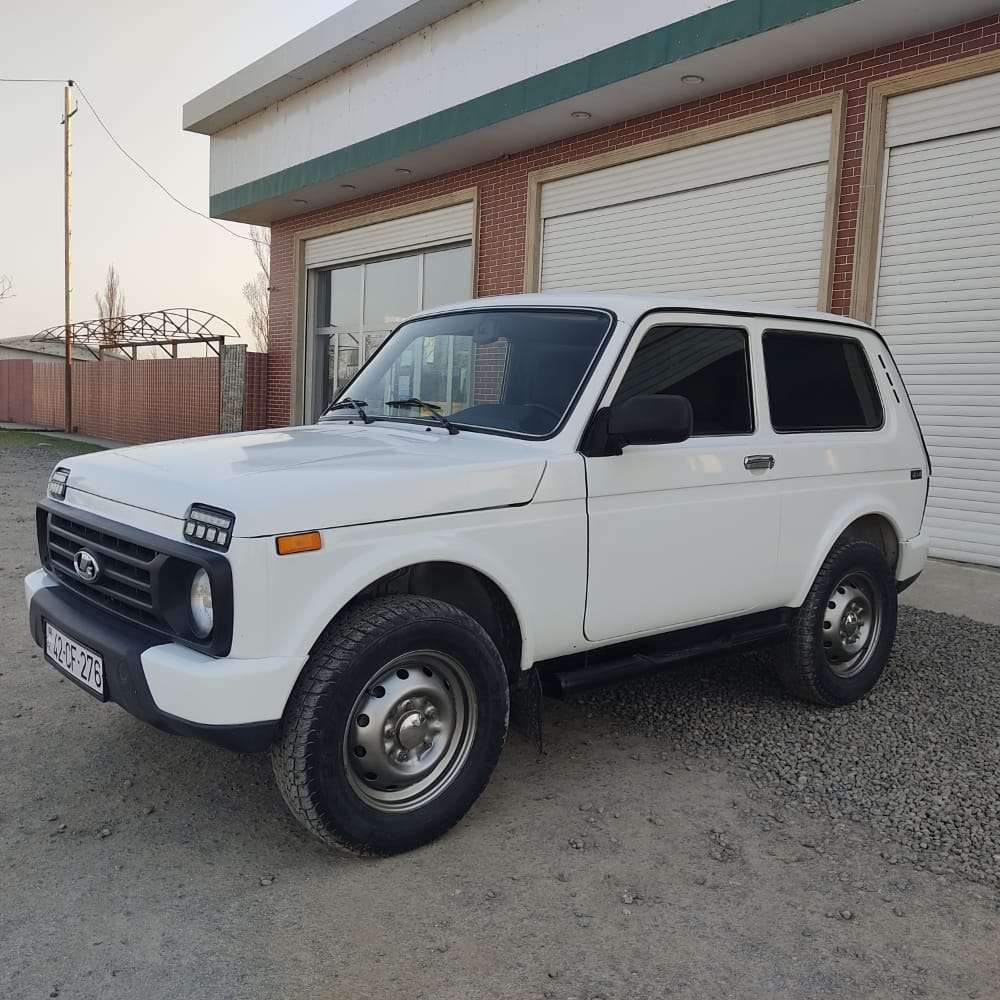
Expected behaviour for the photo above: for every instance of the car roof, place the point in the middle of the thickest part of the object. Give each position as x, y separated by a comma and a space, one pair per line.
630, 306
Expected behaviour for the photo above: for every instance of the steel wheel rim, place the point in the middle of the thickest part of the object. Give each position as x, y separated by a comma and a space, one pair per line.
852, 621
410, 731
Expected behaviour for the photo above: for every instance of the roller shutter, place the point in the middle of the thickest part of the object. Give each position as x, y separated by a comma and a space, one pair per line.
741, 217
410, 233
938, 299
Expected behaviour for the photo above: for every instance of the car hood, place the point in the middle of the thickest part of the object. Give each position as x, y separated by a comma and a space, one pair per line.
319, 476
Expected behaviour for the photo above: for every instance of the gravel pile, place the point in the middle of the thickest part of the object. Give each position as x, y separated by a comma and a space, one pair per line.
918, 760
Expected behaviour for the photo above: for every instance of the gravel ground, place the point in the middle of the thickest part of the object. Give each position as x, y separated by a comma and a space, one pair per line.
917, 762
693, 835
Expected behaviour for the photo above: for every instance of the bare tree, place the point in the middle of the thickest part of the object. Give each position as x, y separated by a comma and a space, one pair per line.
257, 291
6, 287
111, 307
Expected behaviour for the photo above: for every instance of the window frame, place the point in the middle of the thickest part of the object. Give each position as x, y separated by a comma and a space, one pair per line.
747, 354
872, 381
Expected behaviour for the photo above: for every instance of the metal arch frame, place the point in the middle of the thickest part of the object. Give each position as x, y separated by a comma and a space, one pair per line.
167, 329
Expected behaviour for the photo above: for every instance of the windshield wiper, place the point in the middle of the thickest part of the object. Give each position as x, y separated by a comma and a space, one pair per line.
354, 404
435, 411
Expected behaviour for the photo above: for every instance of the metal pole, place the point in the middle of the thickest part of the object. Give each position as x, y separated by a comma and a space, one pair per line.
67, 175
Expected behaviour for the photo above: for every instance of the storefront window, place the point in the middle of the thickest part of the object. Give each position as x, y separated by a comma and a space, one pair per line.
446, 277
352, 309
392, 292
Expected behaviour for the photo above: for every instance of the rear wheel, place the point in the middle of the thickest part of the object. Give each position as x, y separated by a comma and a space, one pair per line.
394, 726
842, 635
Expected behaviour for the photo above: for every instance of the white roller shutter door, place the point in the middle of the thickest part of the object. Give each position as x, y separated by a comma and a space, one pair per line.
738, 217
938, 300
412, 232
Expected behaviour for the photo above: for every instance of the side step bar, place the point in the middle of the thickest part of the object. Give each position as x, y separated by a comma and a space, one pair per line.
569, 674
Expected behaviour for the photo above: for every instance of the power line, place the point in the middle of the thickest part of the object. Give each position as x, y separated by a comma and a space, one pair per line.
162, 187
126, 153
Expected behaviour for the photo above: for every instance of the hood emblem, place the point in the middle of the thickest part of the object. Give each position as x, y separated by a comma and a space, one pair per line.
86, 565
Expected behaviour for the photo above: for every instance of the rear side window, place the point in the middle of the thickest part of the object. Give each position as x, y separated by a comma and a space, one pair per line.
707, 364
817, 382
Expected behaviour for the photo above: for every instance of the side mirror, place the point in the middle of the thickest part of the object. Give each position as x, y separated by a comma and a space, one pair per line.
651, 420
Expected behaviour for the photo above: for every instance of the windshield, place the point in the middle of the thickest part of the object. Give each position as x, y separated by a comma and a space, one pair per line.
516, 371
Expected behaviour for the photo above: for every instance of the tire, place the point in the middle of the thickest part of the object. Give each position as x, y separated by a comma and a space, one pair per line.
394, 726
841, 637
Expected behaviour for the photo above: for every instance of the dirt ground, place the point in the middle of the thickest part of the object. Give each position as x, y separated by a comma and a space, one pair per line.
621, 864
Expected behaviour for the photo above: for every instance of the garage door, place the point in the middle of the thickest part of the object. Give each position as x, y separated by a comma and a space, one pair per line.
938, 299
740, 217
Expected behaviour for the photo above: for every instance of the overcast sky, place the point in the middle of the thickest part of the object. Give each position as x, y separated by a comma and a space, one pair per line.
138, 63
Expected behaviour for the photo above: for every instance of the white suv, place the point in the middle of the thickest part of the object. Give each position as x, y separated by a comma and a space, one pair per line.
571, 488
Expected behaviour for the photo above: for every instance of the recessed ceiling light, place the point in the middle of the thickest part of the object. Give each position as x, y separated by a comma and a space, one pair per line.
692, 78
300, 201
349, 187
405, 171
580, 114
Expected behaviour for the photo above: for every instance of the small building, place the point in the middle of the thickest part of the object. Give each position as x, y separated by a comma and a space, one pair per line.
832, 153
26, 349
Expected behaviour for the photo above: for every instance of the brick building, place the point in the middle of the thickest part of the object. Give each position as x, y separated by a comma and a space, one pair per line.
832, 153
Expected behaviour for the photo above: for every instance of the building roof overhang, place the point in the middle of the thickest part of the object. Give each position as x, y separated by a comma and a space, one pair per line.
339, 41
729, 45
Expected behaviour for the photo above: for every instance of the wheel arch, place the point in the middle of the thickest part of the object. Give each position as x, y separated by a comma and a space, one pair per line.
875, 525
482, 592
463, 586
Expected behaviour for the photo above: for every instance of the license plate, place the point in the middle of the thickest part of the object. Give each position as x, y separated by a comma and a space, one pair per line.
82, 664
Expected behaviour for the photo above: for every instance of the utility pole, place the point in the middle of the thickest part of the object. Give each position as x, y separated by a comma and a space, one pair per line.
67, 176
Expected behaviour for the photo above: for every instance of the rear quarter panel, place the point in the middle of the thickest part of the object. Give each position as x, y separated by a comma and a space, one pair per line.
829, 479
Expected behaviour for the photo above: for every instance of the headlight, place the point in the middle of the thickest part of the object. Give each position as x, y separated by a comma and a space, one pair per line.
57, 483
201, 604
209, 526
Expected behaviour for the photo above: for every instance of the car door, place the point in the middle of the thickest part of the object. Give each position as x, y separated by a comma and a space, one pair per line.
686, 532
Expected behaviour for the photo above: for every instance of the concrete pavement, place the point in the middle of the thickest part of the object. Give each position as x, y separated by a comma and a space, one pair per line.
957, 589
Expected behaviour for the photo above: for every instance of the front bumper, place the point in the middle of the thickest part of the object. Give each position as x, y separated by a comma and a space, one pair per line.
173, 688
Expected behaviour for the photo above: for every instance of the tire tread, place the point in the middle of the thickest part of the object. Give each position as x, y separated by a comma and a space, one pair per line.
331, 657
796, 664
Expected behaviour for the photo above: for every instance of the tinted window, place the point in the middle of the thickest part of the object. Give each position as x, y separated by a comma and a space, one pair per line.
819, 383
707, 364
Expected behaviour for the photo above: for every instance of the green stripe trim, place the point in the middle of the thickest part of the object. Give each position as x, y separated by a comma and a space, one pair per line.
723, 25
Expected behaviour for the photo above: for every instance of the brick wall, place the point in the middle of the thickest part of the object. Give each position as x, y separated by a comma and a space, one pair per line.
48, 400
15, 390
255, 399
503, 183
135, 402
131, 401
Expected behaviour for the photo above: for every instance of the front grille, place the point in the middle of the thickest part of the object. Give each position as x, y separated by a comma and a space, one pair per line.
125, 583
144, 578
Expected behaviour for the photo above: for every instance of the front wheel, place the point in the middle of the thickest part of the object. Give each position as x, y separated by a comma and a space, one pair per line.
842, 636
394, 727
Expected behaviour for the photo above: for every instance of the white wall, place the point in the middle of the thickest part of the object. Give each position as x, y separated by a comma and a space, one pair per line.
16, 354
481, 48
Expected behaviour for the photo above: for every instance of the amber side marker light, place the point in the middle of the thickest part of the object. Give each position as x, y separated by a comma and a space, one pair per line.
304, 541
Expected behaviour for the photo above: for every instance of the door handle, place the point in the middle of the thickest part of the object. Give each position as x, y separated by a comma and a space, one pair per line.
755, 462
